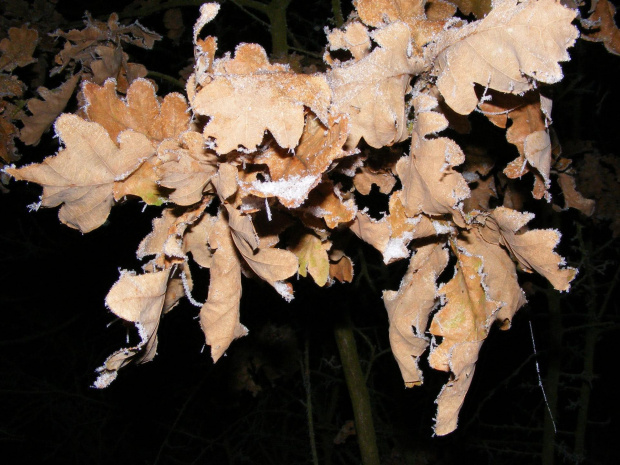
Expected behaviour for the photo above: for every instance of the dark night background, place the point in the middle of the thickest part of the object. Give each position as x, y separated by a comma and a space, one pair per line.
183, 409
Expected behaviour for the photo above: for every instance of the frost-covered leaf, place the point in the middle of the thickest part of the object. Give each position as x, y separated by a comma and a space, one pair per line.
532, 249
219, 316
430, 183
187, 168
140, 299
327, 202
293, 174
247, 96
500, 274
371, 91
81, 176
409, 309
17, 49
463, 323
506, 51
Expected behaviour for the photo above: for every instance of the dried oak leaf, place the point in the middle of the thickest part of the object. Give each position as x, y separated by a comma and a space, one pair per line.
355, 38
463, 323
270, 264
506, 51
412, 12
500, 272
479, 8
11, 86
247, 96
528, 132
366, 177
293, 174
17, 49
601, 27
81, 176
572, 197
219, 316
409, 309
140, 111
141, 299
44, 112
532, 249
8, 132
430, 183
327, 202
371, 91
312, 255
187, 168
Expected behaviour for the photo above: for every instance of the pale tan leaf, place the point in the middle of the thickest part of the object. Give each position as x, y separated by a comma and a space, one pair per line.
225, 180
81, 176
409, 309
366, 177
532, 249
463, 323
187, 168
327, 202
45, 111
506, 51
140, 299
500, 275
430, 183
355, 38
371, 91
341, 269
247, 82
219, 316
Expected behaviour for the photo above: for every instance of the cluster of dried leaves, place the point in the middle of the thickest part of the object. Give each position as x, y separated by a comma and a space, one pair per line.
259, 166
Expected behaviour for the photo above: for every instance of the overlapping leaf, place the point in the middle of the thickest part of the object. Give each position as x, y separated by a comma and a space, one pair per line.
81, 176
247, 96
506, 51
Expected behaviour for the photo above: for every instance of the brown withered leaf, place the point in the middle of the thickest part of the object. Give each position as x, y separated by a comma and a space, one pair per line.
173, 22
141, 299
292, 175
45, 111
248, 82
479, 8
532, 249
506, 51
463, 323
140, 110
409, 309
312, 255
600, 26
430, 183
341, 269
8, 132
11, 86
219, 316
81, 176
528, 132
572, 197
366, 177
412, 12
187, 168
16, 50
327, 202
371, 91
